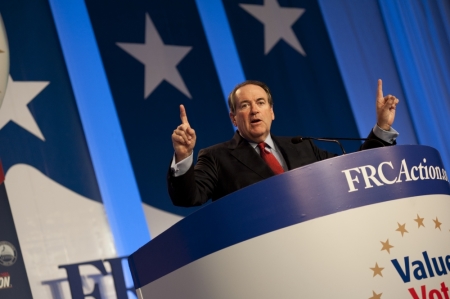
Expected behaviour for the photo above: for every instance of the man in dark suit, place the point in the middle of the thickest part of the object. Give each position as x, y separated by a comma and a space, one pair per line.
253, 154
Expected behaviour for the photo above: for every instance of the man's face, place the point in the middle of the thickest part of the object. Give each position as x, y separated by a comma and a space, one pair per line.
253, 116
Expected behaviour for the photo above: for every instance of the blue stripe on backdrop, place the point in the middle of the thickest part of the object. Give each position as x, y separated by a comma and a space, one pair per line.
221, 44
103, 133
364, 55
420, 39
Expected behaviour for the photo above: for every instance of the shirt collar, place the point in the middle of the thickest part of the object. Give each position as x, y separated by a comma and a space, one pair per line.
268, 141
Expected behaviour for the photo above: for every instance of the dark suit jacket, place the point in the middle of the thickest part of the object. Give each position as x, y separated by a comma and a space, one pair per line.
227, 167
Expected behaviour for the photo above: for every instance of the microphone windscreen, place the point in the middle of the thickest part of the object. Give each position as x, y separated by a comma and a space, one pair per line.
296, 140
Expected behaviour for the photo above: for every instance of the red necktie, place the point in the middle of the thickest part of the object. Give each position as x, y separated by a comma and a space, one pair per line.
270, 159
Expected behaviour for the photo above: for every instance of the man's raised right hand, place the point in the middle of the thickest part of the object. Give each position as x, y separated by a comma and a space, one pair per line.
183, 138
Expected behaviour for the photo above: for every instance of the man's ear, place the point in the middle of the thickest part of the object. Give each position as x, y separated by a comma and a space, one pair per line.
233, 119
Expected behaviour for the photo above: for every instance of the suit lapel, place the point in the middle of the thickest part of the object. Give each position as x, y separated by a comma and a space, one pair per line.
242, 151
289, 151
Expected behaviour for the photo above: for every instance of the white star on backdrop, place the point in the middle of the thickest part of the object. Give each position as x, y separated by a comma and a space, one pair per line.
160, 60
18, 95
277, 22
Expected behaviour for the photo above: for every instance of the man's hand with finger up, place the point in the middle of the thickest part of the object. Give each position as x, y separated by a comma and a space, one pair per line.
183, 138
385, 108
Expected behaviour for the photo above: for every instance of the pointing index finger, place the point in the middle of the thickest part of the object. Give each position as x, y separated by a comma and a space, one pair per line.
183, 115
380, 89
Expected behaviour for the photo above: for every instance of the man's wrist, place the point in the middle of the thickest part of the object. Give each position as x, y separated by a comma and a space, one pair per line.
181, 157
386, 128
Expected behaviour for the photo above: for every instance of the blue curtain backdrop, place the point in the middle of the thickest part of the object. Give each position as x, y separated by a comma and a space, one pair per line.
407, 44
327, 90
419, 35
362, 50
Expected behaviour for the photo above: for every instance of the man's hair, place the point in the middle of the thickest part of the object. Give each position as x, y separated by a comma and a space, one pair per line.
232, 96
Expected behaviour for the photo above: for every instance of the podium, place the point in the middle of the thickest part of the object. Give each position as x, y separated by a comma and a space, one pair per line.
372, 224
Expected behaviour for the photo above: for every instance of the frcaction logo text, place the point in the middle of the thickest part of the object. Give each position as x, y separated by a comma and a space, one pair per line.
375, 175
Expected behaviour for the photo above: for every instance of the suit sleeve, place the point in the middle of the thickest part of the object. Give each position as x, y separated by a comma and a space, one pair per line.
373, 142
197, 185
320, 154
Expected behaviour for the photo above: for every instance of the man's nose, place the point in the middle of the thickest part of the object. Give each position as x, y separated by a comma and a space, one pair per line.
254, 108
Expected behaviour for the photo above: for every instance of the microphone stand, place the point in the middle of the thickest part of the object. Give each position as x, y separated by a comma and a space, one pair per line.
299, 139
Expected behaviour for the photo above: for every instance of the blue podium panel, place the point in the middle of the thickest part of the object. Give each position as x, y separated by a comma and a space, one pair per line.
354, 226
